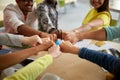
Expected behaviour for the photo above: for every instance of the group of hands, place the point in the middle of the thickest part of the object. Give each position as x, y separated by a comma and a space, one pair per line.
49, 45
65, 35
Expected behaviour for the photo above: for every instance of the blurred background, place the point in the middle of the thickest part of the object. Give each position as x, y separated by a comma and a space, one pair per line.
71, 13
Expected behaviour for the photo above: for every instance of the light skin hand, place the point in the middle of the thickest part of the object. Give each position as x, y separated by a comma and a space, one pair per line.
68, 47
45, 46
54, 51
44, 40
32, 41
71, 36
53, 37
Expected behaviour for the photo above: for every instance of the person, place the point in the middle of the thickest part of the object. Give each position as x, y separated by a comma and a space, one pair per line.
97, 18
107, 61
20, 18
48, 17
34, 69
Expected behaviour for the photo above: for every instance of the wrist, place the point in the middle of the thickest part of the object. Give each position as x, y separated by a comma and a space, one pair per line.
76, 50
88, 26
58, 33
76, 31
80, 36
40, 34
24, 40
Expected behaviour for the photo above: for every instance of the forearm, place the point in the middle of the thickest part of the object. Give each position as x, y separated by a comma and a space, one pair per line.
83, 29
86, 27
104, 60
95, 23
10, 59
97, 35
27, 31
18, 56
33, 70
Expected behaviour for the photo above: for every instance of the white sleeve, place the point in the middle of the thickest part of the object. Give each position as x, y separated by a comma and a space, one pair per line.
11, 19
11, 39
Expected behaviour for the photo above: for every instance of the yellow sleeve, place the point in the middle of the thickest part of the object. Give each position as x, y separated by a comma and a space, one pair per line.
32, 70
105, 16
89, 16
93, 14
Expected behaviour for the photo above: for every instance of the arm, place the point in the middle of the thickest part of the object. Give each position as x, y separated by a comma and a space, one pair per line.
32, 70
93, 24
45, 22
95, 20
19, 40
107, 33
97, 35
28, 31
74, 37
105, 60
10, 39
18, 56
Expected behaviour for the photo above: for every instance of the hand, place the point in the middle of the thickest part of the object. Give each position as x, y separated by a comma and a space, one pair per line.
44, 46
68, 47
32, 41
53, 37
54, 51
70, 36
58, 33
44, 40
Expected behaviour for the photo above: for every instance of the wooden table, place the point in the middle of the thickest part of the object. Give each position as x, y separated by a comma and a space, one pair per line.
71, 67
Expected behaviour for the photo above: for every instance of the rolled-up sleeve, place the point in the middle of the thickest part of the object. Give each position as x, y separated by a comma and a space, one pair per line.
11, 19
112, 32
11, 39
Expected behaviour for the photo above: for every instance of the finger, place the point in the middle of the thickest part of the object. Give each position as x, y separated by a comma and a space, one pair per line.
46, 40
54, 37
40, 40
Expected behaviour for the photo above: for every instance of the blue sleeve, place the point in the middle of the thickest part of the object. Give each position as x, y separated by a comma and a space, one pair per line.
104, 60
112, 32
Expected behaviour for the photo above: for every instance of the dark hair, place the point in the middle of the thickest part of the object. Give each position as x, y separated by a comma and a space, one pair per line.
104, 7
